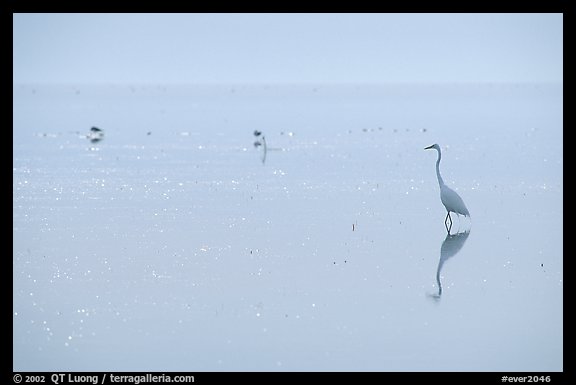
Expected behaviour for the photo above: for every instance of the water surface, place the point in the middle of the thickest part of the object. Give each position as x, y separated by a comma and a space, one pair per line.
170, 246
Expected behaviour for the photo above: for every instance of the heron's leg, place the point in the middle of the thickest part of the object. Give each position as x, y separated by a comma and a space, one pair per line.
448, 217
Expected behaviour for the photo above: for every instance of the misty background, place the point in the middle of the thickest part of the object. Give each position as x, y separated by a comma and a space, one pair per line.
287, 48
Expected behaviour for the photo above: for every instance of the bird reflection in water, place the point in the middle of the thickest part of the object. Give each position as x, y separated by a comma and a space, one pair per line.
450, 247
261, 142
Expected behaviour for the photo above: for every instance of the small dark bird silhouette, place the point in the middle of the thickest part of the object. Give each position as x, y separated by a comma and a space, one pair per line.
95, 135
257, 133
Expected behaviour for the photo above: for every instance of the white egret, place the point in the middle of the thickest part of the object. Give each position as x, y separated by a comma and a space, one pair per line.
450, 198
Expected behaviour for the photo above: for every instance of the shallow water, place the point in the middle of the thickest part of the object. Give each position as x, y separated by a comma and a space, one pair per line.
170, 246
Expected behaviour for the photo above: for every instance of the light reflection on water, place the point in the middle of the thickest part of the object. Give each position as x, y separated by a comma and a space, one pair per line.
196, 252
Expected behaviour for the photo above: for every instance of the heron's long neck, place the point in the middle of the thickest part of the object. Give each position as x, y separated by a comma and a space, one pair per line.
440, 181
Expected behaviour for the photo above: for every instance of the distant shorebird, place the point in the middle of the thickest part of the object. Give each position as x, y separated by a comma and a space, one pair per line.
261, 142
95, 135
450, 247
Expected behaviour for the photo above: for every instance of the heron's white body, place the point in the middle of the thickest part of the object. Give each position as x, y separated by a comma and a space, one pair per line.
452, 201
450, 198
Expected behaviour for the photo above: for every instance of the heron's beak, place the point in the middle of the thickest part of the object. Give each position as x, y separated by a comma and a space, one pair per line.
429, 147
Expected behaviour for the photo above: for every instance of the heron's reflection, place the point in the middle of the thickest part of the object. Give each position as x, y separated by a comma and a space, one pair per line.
450, 247
264, 150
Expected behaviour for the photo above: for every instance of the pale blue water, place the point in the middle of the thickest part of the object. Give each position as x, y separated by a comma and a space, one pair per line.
169, 245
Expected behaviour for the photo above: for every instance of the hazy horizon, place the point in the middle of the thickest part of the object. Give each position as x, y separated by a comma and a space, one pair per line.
287, 48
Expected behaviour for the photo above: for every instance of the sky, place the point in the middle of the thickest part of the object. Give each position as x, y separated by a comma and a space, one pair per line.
286, 48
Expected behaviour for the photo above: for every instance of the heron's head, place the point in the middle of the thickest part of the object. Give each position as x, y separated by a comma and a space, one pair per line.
434, 146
